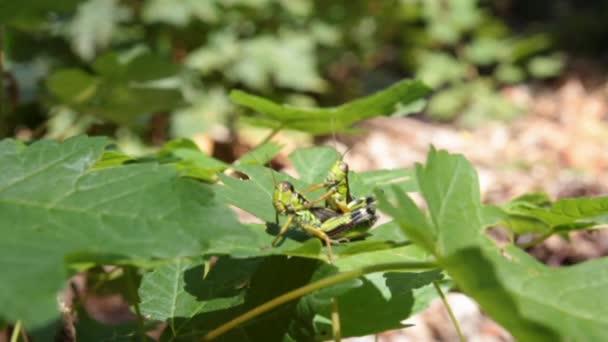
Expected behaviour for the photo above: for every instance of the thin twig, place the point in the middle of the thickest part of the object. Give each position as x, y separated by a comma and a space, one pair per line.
16, 331
317, 285
450, 312
270, 135
133, 293
3, 105
335, 320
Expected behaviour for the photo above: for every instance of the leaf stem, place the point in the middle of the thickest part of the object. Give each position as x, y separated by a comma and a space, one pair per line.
317, 285
16, 331
270, 135
3, 104
450, 312
133, 294
335, 320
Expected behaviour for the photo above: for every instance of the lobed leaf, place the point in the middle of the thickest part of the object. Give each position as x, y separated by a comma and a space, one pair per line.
54, 207
315, 120
533, 301
313, 163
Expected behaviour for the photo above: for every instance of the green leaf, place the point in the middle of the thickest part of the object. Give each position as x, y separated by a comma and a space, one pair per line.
313, 163
535, 213
93, 25
438, 68
150, 67
411, 220
263, 285
111, 159
178, 291
391, 296
191, 161
293, 273
12, 10
369, 181
123, 102
485, 51
446, 104
121, 91
509, 73
531, 300
254, 195
546, 66
140, 211
315, 120
72, 85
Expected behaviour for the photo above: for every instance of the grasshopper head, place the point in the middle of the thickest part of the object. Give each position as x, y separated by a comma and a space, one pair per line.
337, 173
281, 198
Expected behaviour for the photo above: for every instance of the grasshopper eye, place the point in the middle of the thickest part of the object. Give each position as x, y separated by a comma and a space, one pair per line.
286, 186
343, 167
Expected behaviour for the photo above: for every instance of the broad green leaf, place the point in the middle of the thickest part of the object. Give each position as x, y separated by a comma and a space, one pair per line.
125, 101
53, 205
535, 213
12, 10
391, 296
509, 73
254, 195
438, 68
546, 66
191, 161
389, 231
316, 120
72, 85
276, 275
273, 276
149, 67
531, 300
313, 163
396, 295
412, 221
109, 67
178, 291
367, 182
120, 91
94, 24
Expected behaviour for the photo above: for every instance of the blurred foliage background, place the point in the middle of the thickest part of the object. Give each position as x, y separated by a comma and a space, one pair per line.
145, 71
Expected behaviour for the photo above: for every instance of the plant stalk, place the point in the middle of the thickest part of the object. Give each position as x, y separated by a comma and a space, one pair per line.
335, 320
16, 332
450, 312
270, 135
3, 97
317, 285
132, 288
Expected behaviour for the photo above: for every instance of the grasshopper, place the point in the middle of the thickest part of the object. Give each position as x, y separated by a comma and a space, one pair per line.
330, 226
338, 196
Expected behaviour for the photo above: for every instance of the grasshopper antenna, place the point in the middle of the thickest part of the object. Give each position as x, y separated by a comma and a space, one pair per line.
335, 139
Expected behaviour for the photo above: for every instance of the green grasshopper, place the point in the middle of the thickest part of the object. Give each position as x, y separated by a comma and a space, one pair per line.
330, 226
338, 197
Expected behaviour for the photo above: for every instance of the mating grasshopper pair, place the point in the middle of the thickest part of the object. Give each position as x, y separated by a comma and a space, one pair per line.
342, 219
